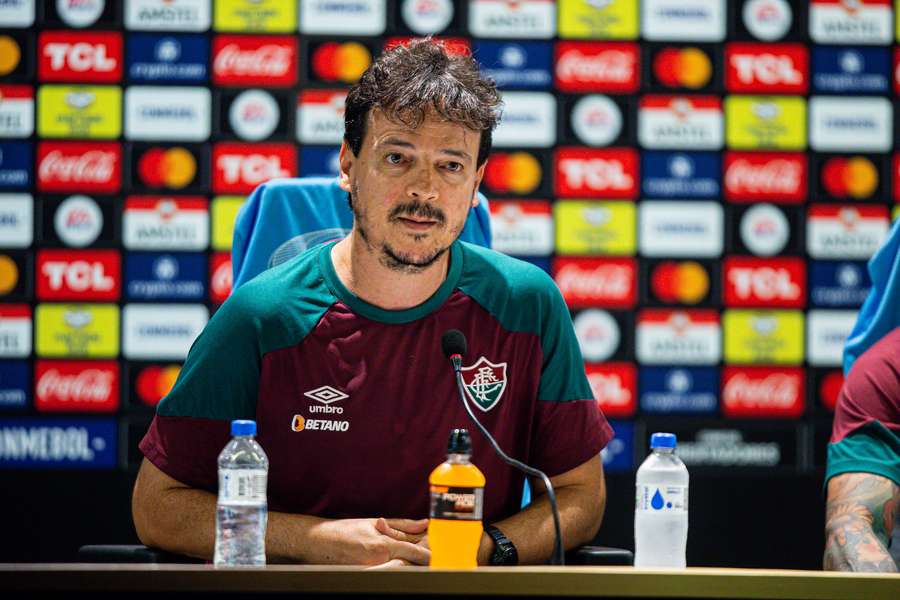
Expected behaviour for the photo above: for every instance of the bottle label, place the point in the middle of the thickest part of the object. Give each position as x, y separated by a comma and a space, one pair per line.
457, 503
662, 498
242, 485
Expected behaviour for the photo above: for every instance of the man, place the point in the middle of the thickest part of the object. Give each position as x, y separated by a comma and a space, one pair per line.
336, 355
863, 473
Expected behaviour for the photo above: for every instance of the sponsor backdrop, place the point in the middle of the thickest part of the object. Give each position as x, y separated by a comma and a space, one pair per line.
703, 179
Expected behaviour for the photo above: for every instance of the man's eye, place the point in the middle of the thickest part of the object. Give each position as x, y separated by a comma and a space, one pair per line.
455, 167
394, 158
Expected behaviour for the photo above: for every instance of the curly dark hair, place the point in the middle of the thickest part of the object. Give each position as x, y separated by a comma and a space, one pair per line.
408, 80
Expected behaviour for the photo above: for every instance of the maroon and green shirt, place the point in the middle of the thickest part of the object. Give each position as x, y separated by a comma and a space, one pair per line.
865, 435
354, 404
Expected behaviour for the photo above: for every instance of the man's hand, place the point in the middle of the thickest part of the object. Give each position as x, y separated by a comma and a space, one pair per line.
373, 542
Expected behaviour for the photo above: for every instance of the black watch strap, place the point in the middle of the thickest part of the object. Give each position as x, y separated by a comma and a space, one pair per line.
505, 553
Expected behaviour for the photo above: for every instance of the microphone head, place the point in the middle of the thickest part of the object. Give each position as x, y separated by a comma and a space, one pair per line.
453, 342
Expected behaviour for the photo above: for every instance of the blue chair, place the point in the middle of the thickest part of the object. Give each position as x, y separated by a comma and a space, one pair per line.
284, 217
880, 313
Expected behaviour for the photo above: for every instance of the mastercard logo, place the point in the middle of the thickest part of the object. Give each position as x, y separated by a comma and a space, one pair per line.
9, 275
684, 282
346, 62
173, 168
682, 67
513, 173
854, 177
10, 55
153, 383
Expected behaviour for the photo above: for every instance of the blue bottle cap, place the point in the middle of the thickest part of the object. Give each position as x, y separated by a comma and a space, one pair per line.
662, 440
243, 428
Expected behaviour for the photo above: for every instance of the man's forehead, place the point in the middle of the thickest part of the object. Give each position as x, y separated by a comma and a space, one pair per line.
433, 128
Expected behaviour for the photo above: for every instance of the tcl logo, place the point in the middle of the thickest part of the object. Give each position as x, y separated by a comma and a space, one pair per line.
607, 173
762, 392
76, 386
597, 67
70, 56
768, 176
239, 168
771, 282
767, 68
79, 166
78, 275
602, 282
254, 60
615, 388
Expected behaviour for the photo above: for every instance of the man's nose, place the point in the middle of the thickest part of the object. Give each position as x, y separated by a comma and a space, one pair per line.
421, 185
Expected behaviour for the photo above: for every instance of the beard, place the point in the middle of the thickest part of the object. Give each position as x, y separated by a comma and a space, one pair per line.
389, 257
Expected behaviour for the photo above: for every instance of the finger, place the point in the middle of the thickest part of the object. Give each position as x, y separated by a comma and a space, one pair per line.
382, 527
391, 564
412, 553
409, 525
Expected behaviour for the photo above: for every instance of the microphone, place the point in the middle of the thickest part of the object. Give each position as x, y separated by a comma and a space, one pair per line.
453, 344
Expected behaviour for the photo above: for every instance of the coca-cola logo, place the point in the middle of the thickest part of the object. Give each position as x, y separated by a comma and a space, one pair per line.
765, 176
596, 282
66, 166
251, 60
76, 386
762, 392
95, 166
221, 278
596, 67
266, 61
92, 385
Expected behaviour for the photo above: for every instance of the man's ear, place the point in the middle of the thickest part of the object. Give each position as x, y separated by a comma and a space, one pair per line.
346, 159
479, 175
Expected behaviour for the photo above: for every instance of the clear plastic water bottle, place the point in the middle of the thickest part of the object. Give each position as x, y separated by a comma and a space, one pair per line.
661, 507
242, 510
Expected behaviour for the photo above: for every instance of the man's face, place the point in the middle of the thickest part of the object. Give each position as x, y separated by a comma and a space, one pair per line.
411, 189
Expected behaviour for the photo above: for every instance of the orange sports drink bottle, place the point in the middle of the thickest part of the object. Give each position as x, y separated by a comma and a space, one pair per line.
457, 505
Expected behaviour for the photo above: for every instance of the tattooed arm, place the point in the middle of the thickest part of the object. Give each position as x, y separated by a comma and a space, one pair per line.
859, 520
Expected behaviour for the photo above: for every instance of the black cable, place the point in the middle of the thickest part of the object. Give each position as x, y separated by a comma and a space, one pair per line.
558, 557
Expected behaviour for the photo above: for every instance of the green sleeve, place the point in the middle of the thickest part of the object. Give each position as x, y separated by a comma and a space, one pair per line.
220, 377
872, 448
562, 373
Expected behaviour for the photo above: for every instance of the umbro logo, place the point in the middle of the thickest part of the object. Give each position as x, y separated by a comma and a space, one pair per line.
326, 394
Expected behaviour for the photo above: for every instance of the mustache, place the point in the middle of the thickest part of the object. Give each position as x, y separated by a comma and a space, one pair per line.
418, 209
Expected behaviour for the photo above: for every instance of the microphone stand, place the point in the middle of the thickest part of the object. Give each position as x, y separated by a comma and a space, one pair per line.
558, 557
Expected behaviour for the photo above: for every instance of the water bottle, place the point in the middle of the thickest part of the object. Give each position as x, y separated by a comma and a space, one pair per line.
661, 507
242, 509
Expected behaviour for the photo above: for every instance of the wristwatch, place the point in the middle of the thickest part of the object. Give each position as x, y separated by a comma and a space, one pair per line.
505, 553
